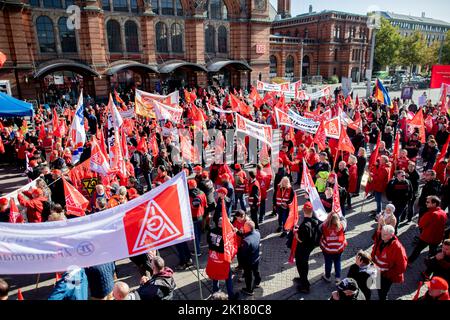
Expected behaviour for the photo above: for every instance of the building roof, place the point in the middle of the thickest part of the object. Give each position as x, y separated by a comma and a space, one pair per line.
404, 17
323, 12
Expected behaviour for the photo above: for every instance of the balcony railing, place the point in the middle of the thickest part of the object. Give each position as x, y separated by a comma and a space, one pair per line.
290, 40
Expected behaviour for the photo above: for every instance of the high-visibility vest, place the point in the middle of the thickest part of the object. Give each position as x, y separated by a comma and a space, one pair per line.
283, 196
332, 241
251, 199
240, 188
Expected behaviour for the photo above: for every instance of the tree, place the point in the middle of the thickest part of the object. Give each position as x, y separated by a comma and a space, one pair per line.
388, 43
431, 54
413, 50
445, 51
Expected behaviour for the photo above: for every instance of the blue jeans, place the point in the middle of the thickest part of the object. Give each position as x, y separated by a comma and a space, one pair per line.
228, 283
378, 199
282, 216
183, 252
239, 197
329, 260
198, 234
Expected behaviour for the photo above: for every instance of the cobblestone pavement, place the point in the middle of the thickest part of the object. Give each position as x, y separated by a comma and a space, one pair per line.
276, 273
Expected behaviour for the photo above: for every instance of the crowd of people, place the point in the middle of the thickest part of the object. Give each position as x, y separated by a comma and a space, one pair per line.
406, 179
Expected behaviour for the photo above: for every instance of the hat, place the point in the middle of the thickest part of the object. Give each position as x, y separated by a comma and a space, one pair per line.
3, 202
198, 169
192, 184
348, 284
307, 205
56, 171
225, 176
222, 190
437, 283
237, 166
205, 174
323, 154
132, 193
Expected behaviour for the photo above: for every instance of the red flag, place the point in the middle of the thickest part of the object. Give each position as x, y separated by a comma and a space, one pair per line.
345, 144
101, 141
99, 161
142, 145
442, 154
348, 100
292, 219
76, 204
2, 147
154, 145
197, 114
336, 198
429, 123
19, 295
444, 104
229, 236
57, 277
254, 95
372, 160
357, 101
320, 137
55, 119
281, 104
14, 213
239, 106
61, 130
357, 121
395, 154
2, 59
418, 122
80, 174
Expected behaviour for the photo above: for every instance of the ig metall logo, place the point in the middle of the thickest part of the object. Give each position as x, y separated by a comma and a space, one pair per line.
85, 248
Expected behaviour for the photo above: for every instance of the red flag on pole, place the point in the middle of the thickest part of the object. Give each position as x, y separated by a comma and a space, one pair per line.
336, 198
345, 144
99, 162
395, 154
442, 154
418, 122
292, 219
372, 160
154, 145
320, 137
76, 204
229, 236
19, 295
2, 147
14, 213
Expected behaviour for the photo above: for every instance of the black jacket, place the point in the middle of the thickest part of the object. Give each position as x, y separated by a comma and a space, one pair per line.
159, 287
207, 186
307, 233
248, 252
361, 275
414, 178
399, 191
431, 188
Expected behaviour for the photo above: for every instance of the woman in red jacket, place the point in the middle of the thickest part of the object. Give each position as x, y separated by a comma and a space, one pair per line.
380, 179
333, 243
353, 178
389, 256
35, 204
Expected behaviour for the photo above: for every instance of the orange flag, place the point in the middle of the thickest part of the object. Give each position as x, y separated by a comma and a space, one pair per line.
76, 203
229, 236
418, 122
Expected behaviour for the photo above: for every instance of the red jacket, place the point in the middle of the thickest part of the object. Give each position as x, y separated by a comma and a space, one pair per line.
402, 163
198, 203
432, 226
332, 241
380, 178
264, 183
34, 207
242, 177
392, 260
353, 179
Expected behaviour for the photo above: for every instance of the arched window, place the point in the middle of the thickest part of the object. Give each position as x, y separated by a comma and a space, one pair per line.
167, 7
210, 39
223, 39
52, 4
105, 5
289, 72
273, 66
131, 36
155, 6
46, 36
66, 36
114, 38
161, 37
120, 5
178, 8
215, 7
176, 34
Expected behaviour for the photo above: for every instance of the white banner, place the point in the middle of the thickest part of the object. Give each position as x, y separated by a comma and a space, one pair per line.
258, 131
127, 114
286, 88
166, 112
215, 109
144, 106
308, 185
321, 93
296, 121
15, 193
157, 219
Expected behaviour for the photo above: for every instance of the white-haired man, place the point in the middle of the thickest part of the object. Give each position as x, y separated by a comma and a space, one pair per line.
390, 257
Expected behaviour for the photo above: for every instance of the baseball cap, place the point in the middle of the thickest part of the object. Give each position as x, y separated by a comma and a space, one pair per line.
3, 201
192, 184
237, 166
438, 283
307, 205
205, 174
198, 169
222, 190
348, 284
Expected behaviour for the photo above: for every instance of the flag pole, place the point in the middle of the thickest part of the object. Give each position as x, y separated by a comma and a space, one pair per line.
37, 280
198, 269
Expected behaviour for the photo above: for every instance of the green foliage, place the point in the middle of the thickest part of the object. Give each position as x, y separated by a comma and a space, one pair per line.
413, 50
333, 80
388, 44
445, 55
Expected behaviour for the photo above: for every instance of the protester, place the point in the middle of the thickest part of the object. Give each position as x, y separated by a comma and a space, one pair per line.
347, 289
364, 272
249, 257
101, 280
437, 290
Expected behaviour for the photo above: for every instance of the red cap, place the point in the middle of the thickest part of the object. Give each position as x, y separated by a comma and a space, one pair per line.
56, 171
205, 174
192, 184
307, 206
222, 190
438, 283
3, 202
225, 176
198, 169
37, 192
237, 166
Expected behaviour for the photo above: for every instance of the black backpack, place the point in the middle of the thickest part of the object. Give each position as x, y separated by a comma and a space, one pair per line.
46, 210
316, 232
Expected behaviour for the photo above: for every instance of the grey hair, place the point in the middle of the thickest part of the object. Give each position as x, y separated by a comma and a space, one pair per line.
389, 229
391, 206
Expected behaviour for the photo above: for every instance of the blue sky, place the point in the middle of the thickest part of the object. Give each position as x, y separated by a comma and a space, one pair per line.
437, 9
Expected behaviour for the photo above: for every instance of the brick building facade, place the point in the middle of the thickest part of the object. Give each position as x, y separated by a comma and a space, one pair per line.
131, 43
334, 43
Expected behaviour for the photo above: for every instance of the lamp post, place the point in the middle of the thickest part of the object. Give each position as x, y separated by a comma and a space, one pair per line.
301, 62
373, 23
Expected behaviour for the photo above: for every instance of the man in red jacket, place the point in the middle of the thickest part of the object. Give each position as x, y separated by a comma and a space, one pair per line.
432, 226
380, 179
35, 205
390, 257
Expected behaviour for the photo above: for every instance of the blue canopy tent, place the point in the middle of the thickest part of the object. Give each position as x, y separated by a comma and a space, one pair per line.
12, 107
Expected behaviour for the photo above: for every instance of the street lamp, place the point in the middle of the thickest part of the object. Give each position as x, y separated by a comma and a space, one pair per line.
373, 23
